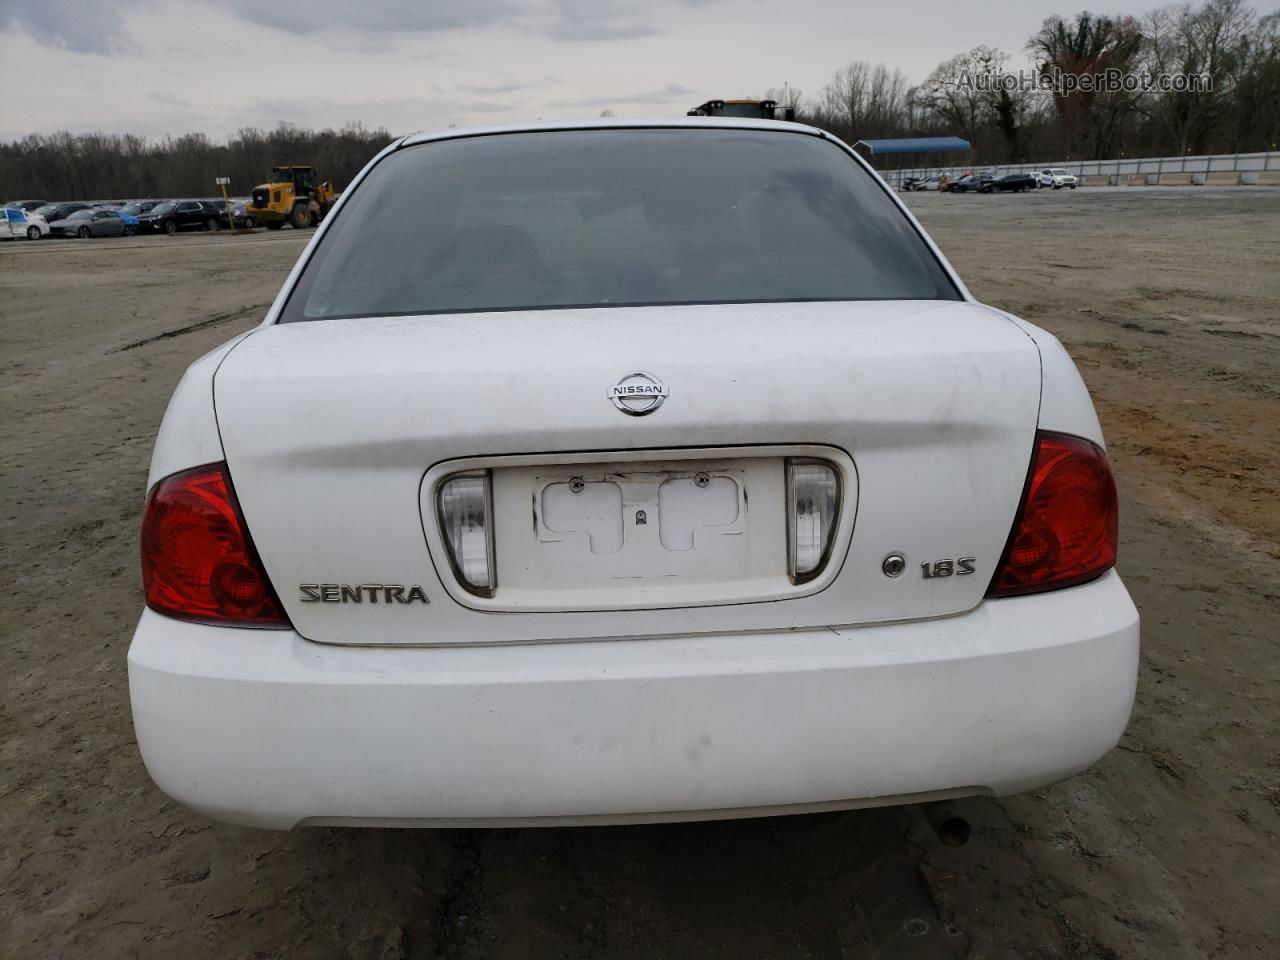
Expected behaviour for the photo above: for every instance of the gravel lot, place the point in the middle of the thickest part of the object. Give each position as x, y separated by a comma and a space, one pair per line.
1169, 848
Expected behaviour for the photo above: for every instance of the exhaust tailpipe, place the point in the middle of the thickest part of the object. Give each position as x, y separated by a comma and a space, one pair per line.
951, 828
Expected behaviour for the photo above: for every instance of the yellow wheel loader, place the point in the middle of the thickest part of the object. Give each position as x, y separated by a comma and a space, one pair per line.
292, 197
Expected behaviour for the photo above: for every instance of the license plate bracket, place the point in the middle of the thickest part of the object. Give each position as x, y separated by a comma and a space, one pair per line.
643, 514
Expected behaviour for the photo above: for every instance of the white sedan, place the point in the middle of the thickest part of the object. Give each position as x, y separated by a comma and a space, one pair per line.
625, 472
18, 224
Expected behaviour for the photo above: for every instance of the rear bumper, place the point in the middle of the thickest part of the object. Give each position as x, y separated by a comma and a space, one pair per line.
267, 729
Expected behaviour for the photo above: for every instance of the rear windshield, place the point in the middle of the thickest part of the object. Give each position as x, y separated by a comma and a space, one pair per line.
600, 218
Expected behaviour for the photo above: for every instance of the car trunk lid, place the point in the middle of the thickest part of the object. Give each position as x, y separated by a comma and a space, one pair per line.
338, 434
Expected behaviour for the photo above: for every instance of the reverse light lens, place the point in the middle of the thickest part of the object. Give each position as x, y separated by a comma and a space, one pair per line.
1068, 528
198, 562
813, 498
465, 512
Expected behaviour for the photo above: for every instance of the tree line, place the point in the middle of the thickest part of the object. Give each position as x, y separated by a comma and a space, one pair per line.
1225, 41
95, 166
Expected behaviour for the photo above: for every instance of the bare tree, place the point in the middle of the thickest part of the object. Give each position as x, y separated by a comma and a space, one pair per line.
1255, 108
956, 96
1206, 41
1088, 45
864, 101
787, 97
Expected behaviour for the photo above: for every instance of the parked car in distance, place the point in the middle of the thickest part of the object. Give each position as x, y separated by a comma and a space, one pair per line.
240, 218
18, 224
137, 208
972, 183
914, 184
172, 216
1057, 178
130, 221
380, 593
59, 211
239, 211
88, 223
1014, 182
27, 206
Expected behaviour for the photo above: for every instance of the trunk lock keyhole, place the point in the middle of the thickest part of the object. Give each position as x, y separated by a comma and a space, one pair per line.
641, 518
702, 480
577, 485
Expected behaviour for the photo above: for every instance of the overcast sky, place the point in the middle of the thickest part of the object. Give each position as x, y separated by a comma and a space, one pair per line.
160, 67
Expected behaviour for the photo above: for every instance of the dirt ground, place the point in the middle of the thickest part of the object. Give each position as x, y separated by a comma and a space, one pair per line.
1169, 848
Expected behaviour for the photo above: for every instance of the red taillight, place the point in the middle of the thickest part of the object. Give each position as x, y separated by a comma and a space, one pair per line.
1067, 530
198, 562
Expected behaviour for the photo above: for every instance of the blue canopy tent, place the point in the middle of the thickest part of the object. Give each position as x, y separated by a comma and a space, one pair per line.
914, 145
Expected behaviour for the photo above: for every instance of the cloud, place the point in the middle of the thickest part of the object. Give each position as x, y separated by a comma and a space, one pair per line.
97, 26
169, 100
587, 20
485, 90
499, 86
83, 26
374, 16
672, 91
406, 115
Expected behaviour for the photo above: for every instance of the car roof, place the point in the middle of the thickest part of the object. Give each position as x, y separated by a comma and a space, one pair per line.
690, 123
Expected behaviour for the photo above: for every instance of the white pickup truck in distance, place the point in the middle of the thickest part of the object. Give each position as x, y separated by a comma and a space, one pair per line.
624, 472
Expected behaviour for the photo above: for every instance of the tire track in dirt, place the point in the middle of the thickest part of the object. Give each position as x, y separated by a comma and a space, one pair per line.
203, 324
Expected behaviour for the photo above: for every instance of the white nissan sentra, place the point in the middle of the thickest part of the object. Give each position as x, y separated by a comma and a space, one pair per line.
625, 472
